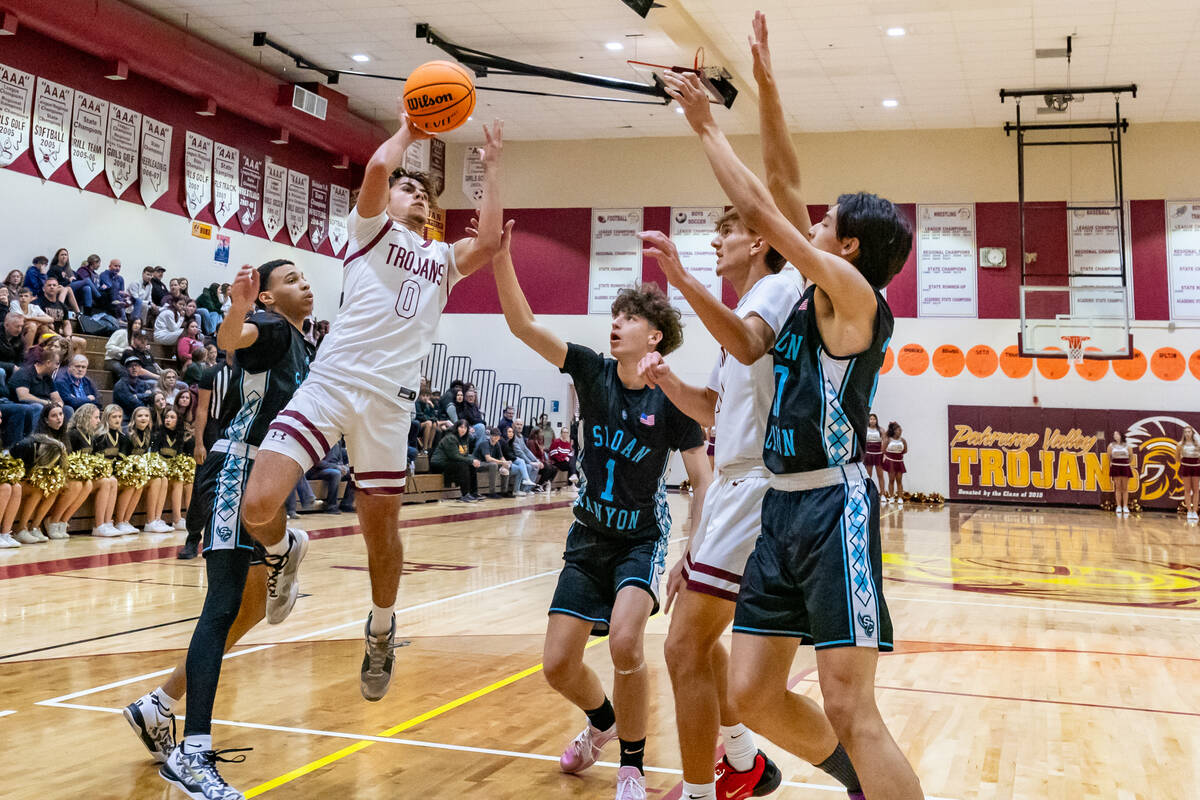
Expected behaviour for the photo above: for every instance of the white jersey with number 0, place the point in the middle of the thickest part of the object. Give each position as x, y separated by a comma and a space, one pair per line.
745, 392
395, 284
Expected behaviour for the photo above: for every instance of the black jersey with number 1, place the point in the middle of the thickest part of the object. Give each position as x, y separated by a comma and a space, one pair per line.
628, 436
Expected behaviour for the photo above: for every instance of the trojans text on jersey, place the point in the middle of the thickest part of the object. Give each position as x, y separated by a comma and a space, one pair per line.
430, 269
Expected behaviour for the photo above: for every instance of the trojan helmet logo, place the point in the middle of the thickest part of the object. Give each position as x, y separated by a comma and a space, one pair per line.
1153, 439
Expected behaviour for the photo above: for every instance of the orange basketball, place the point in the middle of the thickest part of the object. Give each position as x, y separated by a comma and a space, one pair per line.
1013, 364
948, 361
1131, 369
1168, 364
982, 361
439, 96
912, 360
1053, 368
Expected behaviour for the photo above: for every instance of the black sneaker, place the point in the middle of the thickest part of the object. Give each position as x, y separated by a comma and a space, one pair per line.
188, 551
283, 577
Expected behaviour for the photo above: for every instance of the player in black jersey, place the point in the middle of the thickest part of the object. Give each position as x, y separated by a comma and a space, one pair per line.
272, 360
816, 572
616, 549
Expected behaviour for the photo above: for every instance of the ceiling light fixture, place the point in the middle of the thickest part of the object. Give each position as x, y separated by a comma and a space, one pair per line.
897, 31
614, 46
360, 58
890, 103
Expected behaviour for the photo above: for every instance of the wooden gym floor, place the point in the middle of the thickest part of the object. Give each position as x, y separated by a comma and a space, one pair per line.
1041, 653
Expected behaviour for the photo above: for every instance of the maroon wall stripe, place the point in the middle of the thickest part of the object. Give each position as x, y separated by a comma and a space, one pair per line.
1151, 282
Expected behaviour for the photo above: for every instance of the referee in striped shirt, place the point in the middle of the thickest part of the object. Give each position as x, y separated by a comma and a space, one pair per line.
213, 385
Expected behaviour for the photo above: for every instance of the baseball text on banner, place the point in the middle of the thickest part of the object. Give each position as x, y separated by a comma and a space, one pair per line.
616, 257
946, 285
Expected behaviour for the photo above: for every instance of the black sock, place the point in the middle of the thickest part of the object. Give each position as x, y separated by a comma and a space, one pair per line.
602, 718
632, 753
838, 766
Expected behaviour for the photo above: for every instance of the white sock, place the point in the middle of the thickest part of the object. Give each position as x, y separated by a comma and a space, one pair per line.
381, 619
165, 700
699, 791
197, 744
740, 748
281, 547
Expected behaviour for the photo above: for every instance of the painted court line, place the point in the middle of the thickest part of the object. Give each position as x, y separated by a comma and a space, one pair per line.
7, 713
1148, 613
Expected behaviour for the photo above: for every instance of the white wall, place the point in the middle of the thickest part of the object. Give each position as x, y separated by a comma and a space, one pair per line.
37, 218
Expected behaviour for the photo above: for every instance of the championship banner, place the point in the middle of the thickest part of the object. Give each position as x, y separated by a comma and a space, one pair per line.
274, 196
472, 175
339, 209
1060, 455
946, 285
250, 179
225, 183
692, 231
1094, 256
318, 213
156, 160
616, 257
89, 123
121, 147
1183, 258
51, 125
297, 205
197, 172
16, 98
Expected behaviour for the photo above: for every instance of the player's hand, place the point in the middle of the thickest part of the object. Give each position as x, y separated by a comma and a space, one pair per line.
506, 236
686, 89
675, 584
760, 50
660, 247
244, 290
475, 463
493, 144
652, 369
199, 453
407, 125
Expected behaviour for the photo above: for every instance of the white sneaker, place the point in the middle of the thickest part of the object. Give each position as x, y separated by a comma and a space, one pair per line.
27, 537
7, 541
57, 530
158, 526
37, 532
899, 501
519, 493
180, 525
105, 530
574, 479
631, 784
154, 725
123, 528
527, 482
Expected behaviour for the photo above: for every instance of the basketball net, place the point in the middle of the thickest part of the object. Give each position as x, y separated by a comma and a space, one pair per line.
1075, 348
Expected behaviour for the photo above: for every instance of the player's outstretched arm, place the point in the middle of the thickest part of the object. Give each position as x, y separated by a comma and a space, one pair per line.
517, 313
778, 151
234, 332
471, 255
852, 296
373, 196
746, 339
698, 402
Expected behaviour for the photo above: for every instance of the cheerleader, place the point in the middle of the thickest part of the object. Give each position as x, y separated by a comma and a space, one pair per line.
175, 447
1121, 466
873, 457
114, 446
45, 457
141, 441
78, 472
11, 472
82, 431
893, 462
1187, 449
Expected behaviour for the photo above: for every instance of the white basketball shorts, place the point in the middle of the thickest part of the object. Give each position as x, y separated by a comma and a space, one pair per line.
730, 523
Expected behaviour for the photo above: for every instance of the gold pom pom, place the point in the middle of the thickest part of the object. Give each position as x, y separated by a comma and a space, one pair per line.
12, 470
156, 465
101, 466
79, 468
49, 479
182, 468
131, 472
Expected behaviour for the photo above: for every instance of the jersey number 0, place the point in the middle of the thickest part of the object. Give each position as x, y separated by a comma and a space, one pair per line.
408, 299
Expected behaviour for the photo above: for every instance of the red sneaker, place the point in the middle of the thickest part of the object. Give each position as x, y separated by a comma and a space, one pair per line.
760, 780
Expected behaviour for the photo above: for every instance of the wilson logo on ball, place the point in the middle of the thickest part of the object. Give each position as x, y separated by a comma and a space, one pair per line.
439, 96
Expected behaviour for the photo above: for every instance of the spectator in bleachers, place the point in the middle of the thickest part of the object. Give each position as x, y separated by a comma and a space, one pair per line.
13, 341
545, 431
117, 344
195, 368
62, 271
452, 459
35, 275
333, 469
208, 309
16, 419
212, 355
89, 271
113, 444
33, 385
183, 289
158, 290
13, 282
168, 384
76, 388
58, 312
449, 400
158, 408
470, 411
520, 467
36, 320
137, 387
113, 297
4, 302
506, 419
426, 419
561, 455
168, 326
540, 470
189, 341
49, 341
41, 451
491, 457
185, 407
143, 291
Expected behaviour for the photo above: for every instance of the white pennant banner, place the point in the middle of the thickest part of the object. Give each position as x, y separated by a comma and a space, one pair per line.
88, 125
197, 172
339, 209
297, 205
121, 147
274, 192
51, 124
156, 160
16, 98
226, 200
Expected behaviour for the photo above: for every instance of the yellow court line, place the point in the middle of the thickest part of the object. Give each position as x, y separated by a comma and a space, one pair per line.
313, 766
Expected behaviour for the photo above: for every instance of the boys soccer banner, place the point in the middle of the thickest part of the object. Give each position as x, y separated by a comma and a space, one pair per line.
225, 183
89, 124
339, 209
692, 230
297, 205
1060, 455
274, 194
616, 258
16, 99
121, 147
197, 172
250, 179
1183, 258
946, 284
156, 160
51, 125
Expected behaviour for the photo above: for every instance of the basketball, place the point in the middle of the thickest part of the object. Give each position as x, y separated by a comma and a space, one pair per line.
439, 96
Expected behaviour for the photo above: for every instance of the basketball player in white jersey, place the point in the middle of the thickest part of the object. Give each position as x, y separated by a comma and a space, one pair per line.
708, 578
366, 377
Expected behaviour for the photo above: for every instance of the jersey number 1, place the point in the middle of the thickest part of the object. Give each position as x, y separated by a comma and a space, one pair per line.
409, 299
607, 494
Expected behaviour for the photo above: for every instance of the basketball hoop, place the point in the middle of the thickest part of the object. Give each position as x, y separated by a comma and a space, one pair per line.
1075, 348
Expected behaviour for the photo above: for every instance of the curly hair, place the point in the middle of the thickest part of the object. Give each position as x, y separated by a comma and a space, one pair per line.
650, 303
